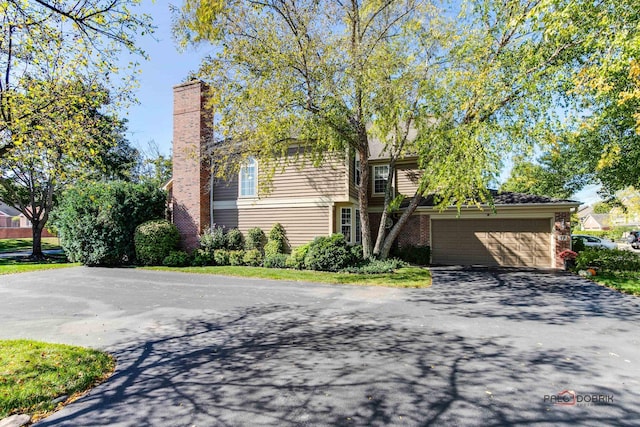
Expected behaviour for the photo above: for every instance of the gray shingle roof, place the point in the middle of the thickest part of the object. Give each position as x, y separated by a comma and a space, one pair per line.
506, 198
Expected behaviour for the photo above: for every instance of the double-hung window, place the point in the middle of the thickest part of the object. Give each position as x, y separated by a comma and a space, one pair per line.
249, 178
356, 170
345, 223
380, 178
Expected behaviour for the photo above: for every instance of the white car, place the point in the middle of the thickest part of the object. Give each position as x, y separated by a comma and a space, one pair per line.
595, 242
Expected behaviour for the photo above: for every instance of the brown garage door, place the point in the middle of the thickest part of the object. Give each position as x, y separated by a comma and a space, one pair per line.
505, 242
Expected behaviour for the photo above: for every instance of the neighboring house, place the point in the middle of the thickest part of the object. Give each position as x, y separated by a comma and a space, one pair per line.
311, 201
594, 221
10, 217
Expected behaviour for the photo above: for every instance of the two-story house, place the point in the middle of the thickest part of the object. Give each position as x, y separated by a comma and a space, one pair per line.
311, 201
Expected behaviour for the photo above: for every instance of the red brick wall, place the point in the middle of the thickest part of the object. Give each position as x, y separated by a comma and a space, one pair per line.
190, 194
562, 232
20, 233
415, 232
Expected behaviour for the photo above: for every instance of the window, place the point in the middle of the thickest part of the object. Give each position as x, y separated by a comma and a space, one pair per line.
380, 177
249, 179
358, 227
345, 223
356, 170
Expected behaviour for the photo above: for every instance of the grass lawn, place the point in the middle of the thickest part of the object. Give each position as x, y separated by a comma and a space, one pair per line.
627, 282
11, 245
20, 265
33, 374
407, 277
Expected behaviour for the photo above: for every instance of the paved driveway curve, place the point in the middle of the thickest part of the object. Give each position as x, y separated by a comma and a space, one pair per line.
477, 348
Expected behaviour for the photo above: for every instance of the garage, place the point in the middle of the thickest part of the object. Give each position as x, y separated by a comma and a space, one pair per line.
521, 242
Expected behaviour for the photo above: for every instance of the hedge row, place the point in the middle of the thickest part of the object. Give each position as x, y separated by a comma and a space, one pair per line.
610, 260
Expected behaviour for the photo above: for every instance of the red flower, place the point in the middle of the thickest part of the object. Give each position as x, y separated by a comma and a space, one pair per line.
568, 254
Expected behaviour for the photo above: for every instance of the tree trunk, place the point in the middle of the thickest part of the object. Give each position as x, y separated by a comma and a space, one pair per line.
36, 232
398, 226
363, 201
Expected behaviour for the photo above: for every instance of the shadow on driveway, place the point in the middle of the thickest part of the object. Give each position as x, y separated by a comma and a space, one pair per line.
551, 297
280, 364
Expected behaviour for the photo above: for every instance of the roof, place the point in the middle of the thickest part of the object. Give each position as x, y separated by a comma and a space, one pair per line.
8, 210
601, 219
508, 199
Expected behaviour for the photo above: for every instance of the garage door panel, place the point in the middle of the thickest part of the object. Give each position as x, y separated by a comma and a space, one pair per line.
503, 242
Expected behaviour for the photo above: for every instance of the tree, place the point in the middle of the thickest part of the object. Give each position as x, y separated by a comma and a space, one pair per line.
154, 167
607, 87
557, 175
68, 140
458, 87
61, 41
97, 221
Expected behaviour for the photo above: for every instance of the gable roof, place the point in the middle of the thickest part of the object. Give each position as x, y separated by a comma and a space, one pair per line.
8, 210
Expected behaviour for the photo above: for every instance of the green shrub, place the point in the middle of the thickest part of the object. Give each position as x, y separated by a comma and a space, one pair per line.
235, 240
328, 254
277, 243
256, 239
276, 261
213, 239
608, 260
296, 260
154, 240
577, 245
221, 257
96, 222
252, 258
236, 258
376, 266
202, 258
177, 259
357, 254
419, 255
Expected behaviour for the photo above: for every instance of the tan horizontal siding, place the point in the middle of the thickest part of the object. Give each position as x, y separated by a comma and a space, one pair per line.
407, 177
225, 190
327, 180
302, 224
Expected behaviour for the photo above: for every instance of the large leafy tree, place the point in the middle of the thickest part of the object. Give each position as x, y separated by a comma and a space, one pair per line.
607, 88
458, 86
62, 41
69, 139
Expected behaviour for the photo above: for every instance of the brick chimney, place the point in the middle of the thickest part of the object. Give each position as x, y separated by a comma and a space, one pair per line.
191, 129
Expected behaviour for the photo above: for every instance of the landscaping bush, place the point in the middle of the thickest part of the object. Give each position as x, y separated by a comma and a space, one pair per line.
419, 255
96, 222
177, 259
235, 240
154, 240
577, 245
213, 239
296, 260
276, 261
376, 266
277, 243
202, 258
236, 258
252, 258
328, 254
256, 239
221, 257
610, 260
357, 254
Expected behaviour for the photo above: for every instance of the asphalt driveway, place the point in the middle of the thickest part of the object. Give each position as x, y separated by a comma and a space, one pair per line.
477, 348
